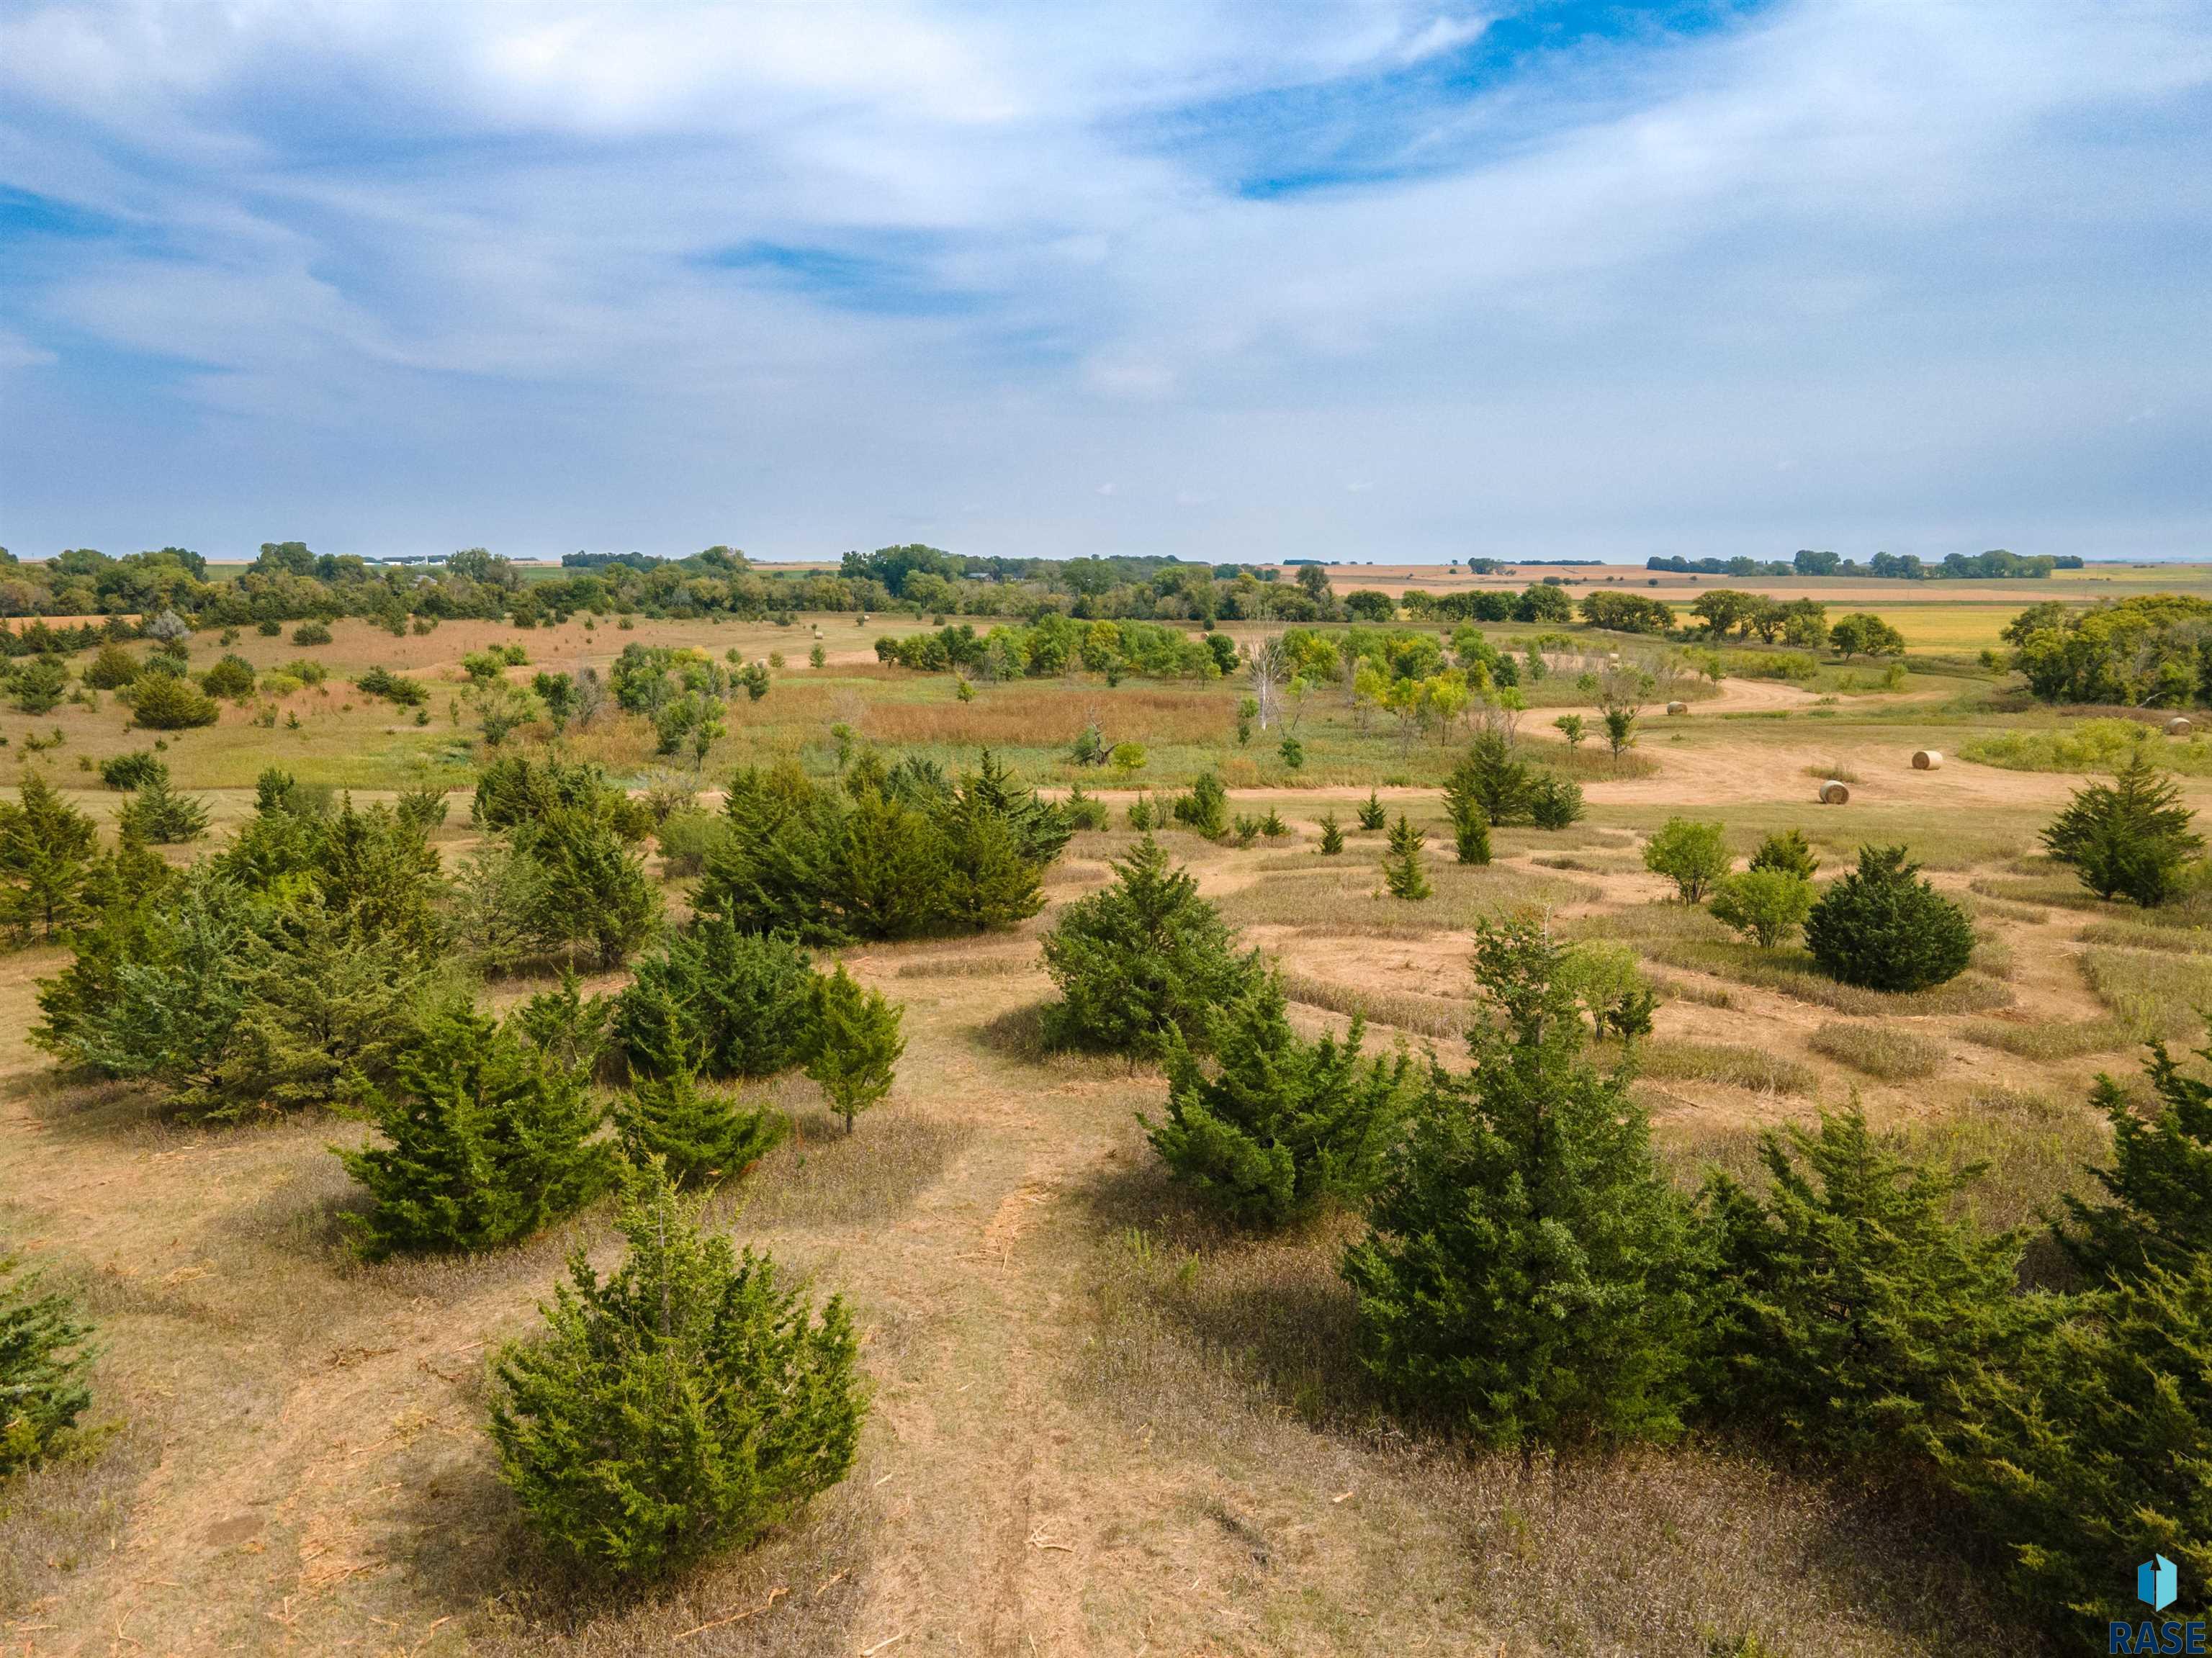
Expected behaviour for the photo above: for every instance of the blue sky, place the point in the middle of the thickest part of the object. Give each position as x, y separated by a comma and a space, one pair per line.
1346, 278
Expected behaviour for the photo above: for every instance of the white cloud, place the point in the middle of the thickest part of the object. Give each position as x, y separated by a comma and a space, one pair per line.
1850, 274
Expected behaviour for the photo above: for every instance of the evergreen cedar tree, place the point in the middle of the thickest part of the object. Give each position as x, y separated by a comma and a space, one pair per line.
1371, 815
159, 702
1332, 835
1525, 1278
1787, 852
902, 853
2159, 1213
2131, 839
1405, 869
280, 972
680, 1407
1845, 1302
49, 852
1884, 928
698, 1135
854, 1044
1280, 1128
1691, 855
159, 817
1470, 823
1143, 958
484, 1141
1204, 808
586, 888
2091, 1453
716, 999
46, 1366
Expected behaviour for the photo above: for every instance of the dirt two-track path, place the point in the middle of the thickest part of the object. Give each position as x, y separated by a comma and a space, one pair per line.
303, 1439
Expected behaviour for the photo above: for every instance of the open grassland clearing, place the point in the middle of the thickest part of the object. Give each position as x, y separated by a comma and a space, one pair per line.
1100, 1422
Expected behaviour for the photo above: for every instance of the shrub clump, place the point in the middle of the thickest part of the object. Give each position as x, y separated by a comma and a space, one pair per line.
1767, 905
1884, 928
485, 1140
1525, 1275
684, 1405
1691, 855
45, 1360
1280, 1128
1143, 958
2131, 839
719, 1001
163, 703
902, 852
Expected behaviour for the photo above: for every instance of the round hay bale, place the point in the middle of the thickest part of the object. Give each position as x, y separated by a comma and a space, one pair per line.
2178, 727
1678, 708
1833, 793
1927, 759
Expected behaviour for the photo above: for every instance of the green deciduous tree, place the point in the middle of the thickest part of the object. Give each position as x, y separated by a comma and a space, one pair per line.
2129, 840
684, 1405
1767, 905
1524, 1275
1145, 955
484, 1141
1883, 927
1691, 855
1280, 1127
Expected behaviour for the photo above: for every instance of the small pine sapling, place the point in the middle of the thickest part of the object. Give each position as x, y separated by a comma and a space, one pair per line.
1405, 869
713, 1400
856, 1044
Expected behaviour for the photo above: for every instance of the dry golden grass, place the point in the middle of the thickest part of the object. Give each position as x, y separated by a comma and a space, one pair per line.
1100, 1423
1791, 973
2154, 995
1347, 897
1726, 1064
1881, 1051
1229, 1353
2045, 1040
1425, 1016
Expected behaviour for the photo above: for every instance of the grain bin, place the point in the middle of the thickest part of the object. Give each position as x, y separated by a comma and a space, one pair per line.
1927, 759
1678, 708
2178, 727
1833, 793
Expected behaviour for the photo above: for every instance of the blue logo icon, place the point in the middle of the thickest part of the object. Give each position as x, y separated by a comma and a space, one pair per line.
2156, 1584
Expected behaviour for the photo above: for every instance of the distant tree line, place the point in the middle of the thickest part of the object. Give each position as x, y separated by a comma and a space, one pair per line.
1995, 565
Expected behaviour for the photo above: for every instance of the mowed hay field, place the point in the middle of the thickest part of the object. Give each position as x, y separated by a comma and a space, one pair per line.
1100, 1425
